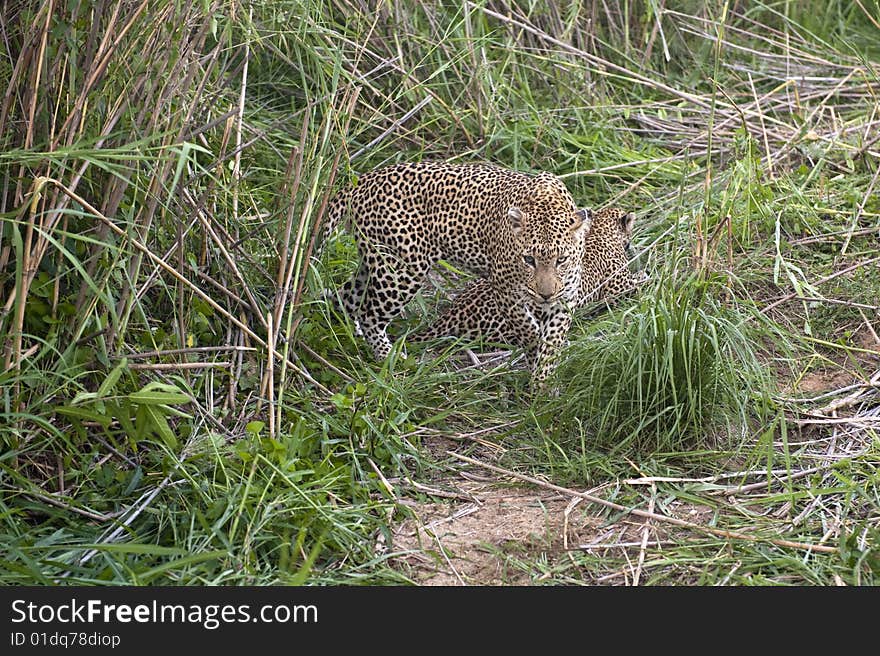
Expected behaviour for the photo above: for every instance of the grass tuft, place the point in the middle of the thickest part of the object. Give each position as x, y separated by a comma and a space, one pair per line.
669, 373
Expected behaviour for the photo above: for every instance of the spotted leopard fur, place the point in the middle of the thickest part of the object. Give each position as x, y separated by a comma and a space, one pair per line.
476, 312
523, 234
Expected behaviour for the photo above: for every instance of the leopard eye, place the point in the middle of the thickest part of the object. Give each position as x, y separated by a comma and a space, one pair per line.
562, 259
529, 260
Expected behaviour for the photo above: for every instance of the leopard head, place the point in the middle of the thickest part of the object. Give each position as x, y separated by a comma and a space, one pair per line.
607, 256
550, 248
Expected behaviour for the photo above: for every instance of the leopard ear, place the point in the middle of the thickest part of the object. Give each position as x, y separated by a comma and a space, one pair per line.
627, 222
514, 214
583, 221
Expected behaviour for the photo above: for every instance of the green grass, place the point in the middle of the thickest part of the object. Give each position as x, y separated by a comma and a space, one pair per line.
179, 405
662, 374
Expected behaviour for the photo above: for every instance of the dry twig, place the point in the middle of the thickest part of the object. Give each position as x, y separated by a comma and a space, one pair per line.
732, 535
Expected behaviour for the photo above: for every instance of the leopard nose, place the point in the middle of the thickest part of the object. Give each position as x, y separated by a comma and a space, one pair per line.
546, 295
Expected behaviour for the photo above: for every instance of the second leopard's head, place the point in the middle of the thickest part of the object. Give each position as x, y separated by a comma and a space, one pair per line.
551, 251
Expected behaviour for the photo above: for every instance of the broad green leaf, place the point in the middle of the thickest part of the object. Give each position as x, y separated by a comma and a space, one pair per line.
159, 393
160, 426
82, 397
82, 413
254, 427
112, 378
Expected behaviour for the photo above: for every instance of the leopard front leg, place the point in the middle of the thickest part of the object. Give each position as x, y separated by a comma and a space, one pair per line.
525, 321
554, 322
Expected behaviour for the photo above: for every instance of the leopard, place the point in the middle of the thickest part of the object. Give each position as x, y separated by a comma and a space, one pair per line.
475, 313
520, 232
606, 275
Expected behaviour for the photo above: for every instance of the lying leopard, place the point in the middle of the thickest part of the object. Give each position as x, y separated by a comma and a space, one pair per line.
476, 314
521, 233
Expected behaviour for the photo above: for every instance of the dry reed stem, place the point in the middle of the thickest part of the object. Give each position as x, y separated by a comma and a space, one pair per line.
644, 545
184, 351
178, 276
220, 243
270, 376
236, 168
59, 503
180, 366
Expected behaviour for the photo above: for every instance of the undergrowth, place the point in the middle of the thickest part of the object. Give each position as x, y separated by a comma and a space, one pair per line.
180, 404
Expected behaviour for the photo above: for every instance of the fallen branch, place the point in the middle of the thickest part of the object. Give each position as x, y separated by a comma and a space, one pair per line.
55, 501
732, 535
865, 390
848, 269
174, 366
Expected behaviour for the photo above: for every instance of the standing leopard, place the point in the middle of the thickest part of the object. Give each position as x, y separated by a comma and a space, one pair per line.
476, 314
522, 233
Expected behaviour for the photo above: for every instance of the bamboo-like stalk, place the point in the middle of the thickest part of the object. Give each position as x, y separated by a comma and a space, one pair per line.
141, 248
